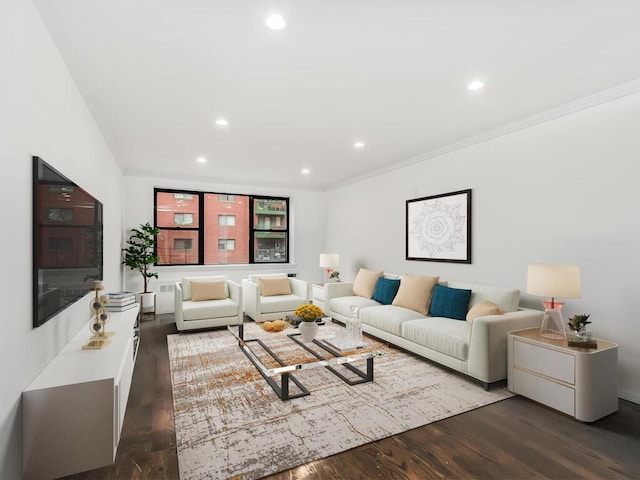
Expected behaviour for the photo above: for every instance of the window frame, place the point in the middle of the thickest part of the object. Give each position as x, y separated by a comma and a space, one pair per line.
201, 225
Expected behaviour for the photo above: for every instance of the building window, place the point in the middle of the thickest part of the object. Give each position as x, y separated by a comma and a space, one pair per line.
183, 244
195, 226
226, 220
226, 244
60, 215
183, 218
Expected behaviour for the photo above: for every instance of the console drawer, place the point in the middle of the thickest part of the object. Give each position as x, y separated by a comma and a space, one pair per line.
553, 364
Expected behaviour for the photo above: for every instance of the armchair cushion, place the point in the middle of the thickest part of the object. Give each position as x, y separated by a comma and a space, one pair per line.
211, 290
415, 292
274, 286
186, 284
365, 282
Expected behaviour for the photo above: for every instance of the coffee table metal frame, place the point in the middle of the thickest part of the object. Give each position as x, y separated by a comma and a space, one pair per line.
285, 371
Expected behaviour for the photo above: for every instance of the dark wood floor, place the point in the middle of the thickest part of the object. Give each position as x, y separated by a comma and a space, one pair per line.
512, 439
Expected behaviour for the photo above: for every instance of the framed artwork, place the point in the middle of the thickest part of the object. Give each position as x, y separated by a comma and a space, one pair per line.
439, 228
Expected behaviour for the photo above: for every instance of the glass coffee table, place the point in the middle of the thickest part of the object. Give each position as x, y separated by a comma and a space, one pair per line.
325, 355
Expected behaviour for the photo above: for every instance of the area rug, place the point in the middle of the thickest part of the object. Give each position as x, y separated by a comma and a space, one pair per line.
231, 424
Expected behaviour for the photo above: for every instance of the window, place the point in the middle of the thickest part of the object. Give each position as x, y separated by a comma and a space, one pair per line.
183, 218
195, 228
183, 244
226, 244
226, 220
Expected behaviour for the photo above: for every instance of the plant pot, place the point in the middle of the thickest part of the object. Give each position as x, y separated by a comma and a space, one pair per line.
308, 331
147, 302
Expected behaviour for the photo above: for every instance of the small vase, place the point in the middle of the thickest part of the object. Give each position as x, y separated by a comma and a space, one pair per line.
308, 331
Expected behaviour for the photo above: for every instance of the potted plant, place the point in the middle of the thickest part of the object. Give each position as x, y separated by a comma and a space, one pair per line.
139, 255
308, 313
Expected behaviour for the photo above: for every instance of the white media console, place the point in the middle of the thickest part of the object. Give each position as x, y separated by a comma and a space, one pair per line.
73, 411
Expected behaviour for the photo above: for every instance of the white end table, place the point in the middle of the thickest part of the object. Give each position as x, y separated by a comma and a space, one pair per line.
581, 382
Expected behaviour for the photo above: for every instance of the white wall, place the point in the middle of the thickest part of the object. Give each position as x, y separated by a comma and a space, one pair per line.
565, 191
42, 113
307, 220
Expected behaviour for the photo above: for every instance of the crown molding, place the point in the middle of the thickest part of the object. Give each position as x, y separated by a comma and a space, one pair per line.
599, 98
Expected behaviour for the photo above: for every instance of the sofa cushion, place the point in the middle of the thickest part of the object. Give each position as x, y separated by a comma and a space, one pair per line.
483, 309
386, 289
274, 286
444, 335
365, 282
211, 290
507, 300
186, 283
209, 309
449, 302
415, 292
388, 317
280, 303
342, 305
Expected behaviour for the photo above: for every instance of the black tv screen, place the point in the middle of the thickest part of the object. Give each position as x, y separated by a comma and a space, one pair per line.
67, 242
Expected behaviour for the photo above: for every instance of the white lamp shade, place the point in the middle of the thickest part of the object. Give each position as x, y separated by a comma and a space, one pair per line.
556, 281
329, 260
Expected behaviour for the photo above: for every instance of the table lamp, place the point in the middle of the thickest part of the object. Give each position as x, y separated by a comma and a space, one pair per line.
329, 261
553, 281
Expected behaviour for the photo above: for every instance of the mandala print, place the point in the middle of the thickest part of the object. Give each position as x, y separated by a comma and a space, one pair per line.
439, 228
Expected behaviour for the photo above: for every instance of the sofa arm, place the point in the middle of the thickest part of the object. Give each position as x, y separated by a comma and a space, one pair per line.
299, 288
487, 357
251, 299
337, 289
177, 307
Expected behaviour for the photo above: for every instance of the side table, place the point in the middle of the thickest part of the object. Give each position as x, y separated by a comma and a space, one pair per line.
318, 296
581, 382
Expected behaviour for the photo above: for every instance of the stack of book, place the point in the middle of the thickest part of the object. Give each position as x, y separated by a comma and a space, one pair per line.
120, 301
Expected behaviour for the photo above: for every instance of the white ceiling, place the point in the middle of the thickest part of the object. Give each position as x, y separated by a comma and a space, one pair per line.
156, 74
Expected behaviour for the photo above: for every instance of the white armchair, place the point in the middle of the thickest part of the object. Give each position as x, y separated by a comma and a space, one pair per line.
273, 297
204, 302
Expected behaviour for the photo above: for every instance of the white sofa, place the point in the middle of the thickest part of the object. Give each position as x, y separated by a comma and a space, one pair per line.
262, 307
191, 315
477, 349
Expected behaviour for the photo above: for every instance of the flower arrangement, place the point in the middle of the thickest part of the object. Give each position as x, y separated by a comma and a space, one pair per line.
308, 312
335, 276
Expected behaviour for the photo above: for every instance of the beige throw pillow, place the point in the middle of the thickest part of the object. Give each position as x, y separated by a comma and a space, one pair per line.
482, 309
274, 286
365, 282
415, 292
214, 290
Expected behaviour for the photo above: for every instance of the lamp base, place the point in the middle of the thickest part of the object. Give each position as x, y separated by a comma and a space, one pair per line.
552, 324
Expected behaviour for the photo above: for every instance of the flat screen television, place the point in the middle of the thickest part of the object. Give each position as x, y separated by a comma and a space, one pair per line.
67, 242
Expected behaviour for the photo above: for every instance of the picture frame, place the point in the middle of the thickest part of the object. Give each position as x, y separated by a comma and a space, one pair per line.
438, 228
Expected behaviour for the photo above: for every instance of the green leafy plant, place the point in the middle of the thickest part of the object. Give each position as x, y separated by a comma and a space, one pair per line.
578, 321
139, 253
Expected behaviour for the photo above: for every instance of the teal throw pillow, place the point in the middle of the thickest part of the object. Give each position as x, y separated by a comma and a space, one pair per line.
386, 289
450, 302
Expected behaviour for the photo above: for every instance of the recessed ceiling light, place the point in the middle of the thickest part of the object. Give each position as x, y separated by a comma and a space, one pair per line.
475, 85
275, 22
201, 160
306, 171
358, 144
222, 122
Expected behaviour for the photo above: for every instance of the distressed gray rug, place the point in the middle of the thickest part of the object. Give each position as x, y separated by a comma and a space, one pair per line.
231, 424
